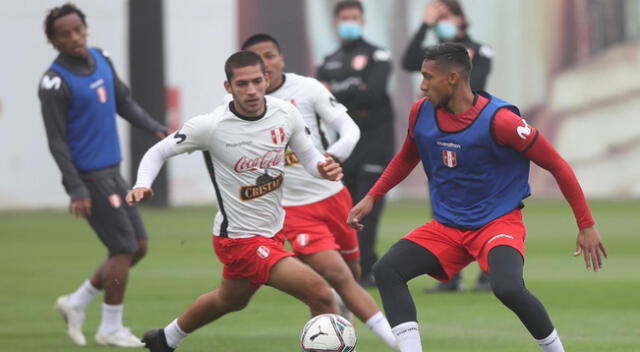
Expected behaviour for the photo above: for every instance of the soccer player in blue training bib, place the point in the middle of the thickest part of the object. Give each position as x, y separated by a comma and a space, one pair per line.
476, 151
80, 95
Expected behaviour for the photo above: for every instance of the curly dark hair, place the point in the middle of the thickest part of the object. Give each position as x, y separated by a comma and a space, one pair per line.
58, 12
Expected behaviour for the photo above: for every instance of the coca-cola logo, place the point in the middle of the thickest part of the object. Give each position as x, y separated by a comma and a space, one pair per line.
269, 159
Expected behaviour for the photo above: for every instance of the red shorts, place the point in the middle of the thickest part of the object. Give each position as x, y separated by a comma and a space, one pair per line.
456, 248
322, 226
250, 258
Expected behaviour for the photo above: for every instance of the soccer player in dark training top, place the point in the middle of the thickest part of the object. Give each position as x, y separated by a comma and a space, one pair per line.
80, 95
476, 151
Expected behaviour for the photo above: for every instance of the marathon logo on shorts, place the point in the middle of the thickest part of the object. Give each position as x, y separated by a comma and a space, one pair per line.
302, 239
115, 201
502, 235
262, 252
449, 158
264, 184
290, 158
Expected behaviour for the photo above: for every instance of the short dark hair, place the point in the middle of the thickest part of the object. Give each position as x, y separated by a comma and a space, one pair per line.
347, 4
242, 58
58, 12
259, 38
456, 8
449, 55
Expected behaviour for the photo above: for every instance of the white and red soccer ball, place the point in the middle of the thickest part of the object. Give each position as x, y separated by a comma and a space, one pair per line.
328, 333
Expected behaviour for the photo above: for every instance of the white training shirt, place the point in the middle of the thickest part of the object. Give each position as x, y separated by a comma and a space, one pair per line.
319, 111
247, 163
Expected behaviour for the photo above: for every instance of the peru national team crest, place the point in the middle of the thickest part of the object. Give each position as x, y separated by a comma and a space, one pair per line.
115, 200
449, 158
277, 136
359, 62
102, 94
262, 252
302, 239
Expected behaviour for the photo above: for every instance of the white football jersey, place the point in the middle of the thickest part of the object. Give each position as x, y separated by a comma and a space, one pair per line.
246, 164
318, 108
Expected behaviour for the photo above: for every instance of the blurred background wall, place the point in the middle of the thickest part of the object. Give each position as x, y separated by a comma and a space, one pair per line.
571, 66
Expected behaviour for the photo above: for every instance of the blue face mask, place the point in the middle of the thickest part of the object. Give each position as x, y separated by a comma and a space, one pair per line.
349, 30
446, 30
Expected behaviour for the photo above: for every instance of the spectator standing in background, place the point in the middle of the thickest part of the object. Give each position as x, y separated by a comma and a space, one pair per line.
357, 75
447, 19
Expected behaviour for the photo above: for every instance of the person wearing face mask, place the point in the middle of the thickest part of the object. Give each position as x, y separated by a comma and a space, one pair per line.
446, 18
357, 75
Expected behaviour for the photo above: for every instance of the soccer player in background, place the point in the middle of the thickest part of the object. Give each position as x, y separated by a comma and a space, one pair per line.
357, 75
315, 209
80, 95
476, 151
244, 143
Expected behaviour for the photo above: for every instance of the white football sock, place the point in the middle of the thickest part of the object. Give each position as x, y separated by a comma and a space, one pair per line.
408, 337
111, 318
83, 295
380, 326
551, 343
174, 334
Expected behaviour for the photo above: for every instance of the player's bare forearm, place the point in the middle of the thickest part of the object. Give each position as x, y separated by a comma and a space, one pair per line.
330, 169
359, 211
138, 195
589, 243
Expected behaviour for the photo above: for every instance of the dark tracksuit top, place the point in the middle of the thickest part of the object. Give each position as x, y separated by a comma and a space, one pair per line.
357, 74
480, 57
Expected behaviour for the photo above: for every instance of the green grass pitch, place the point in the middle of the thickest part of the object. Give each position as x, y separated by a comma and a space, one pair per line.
47, 254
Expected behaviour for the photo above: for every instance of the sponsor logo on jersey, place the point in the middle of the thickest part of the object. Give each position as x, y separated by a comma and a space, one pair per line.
180, 136
102, 94
359, 62
262, 252
265, 184
290, 159
49, 83
302, 239
502, 235
449, 158
269, 159
96, 84
278, 136
524, 131
115, 201
293, 101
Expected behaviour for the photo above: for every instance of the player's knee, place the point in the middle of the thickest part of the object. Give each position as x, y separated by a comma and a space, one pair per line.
234, 304
384, 273
140, 253
507, 291
322, 299
338, 277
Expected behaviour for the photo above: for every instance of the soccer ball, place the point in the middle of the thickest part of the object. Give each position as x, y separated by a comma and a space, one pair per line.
328, 333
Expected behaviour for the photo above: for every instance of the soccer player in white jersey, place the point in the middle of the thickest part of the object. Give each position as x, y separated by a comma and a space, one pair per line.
244, 144
316, 209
